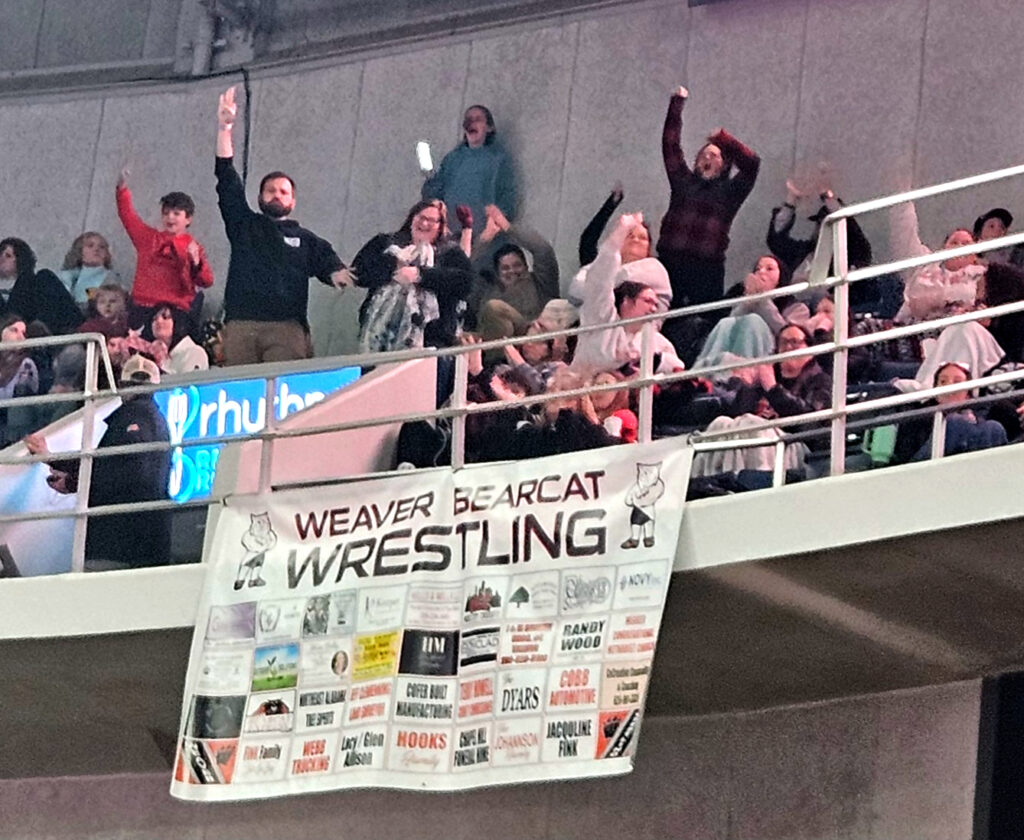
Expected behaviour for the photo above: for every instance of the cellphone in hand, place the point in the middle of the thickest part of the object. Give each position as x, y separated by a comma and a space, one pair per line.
423, 156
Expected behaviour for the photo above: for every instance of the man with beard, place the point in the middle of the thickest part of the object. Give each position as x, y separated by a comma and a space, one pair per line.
272, 259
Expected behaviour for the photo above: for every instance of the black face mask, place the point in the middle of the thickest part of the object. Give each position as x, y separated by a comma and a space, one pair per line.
275, 209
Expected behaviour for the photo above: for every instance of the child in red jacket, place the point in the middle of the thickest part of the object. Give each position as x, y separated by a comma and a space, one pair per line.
171, 264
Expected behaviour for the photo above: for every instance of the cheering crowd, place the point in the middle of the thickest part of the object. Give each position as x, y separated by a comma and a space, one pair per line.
462, 268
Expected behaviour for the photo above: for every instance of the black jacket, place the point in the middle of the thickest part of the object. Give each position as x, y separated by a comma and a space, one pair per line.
135, 539
271, 260
450, 280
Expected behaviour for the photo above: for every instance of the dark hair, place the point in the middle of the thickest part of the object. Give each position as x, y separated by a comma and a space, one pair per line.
73, 258
24, 256
791, 325
628, 289
179, 317
277, 173
512, 376
11, 318
944, 365
488, 116
785, 275
727, 160
505, 250
405, 230
178, 201
1000, 213
1004, 283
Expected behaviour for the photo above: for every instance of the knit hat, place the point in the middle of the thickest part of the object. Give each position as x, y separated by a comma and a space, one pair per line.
140, 369
558, 314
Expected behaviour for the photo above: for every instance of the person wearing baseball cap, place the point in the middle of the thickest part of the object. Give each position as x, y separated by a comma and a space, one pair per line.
125, 540
991, 225
140, 369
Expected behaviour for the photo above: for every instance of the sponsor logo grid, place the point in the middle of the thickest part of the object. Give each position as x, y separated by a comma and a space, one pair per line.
478, 677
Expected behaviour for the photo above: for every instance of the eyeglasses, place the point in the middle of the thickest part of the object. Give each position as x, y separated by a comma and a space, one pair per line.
433, 220
792, 342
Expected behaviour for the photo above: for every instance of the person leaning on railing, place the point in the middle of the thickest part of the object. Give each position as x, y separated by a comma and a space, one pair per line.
967, 429
564, 424
19, 377
140, 538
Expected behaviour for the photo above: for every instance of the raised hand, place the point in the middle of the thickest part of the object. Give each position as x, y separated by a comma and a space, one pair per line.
490, 230
766, 377
628, 221
36, 444
494, 214
474, 358
122, 177
753, 284
464, 213
617, 192
793, 192
683, 92
227, 110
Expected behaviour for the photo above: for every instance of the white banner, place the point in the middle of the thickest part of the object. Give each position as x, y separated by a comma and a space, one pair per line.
434, 630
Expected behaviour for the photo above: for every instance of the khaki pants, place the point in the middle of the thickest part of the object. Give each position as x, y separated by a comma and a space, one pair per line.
252, 342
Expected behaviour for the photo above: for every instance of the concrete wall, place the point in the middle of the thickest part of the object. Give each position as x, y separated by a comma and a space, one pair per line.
897, 766
891, 92
55, 33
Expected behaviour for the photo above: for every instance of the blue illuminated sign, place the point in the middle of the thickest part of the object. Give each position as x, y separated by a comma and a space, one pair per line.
197, 412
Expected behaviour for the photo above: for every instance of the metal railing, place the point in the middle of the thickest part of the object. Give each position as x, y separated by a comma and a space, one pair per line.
831, 249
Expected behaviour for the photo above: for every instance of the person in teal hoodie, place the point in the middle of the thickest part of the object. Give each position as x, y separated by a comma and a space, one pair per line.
476, 173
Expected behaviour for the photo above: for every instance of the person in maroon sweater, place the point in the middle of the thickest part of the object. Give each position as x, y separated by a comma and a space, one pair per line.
171, 265
704, 200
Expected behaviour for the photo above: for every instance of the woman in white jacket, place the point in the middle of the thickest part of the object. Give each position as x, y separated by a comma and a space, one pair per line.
604, 301
169, 325
936, 289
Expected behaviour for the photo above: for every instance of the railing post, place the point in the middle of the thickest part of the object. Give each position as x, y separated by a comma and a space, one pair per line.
267, 444
938, 434
459, 420
646, 392
841, 331
779, 465
85, 461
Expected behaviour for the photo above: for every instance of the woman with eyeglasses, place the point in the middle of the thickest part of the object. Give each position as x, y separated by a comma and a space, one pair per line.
418, 281
794, 386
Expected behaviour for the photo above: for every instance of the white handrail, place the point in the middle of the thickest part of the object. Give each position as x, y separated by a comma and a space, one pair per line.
832, 242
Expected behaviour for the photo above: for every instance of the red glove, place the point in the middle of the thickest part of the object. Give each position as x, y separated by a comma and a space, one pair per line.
465, 215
